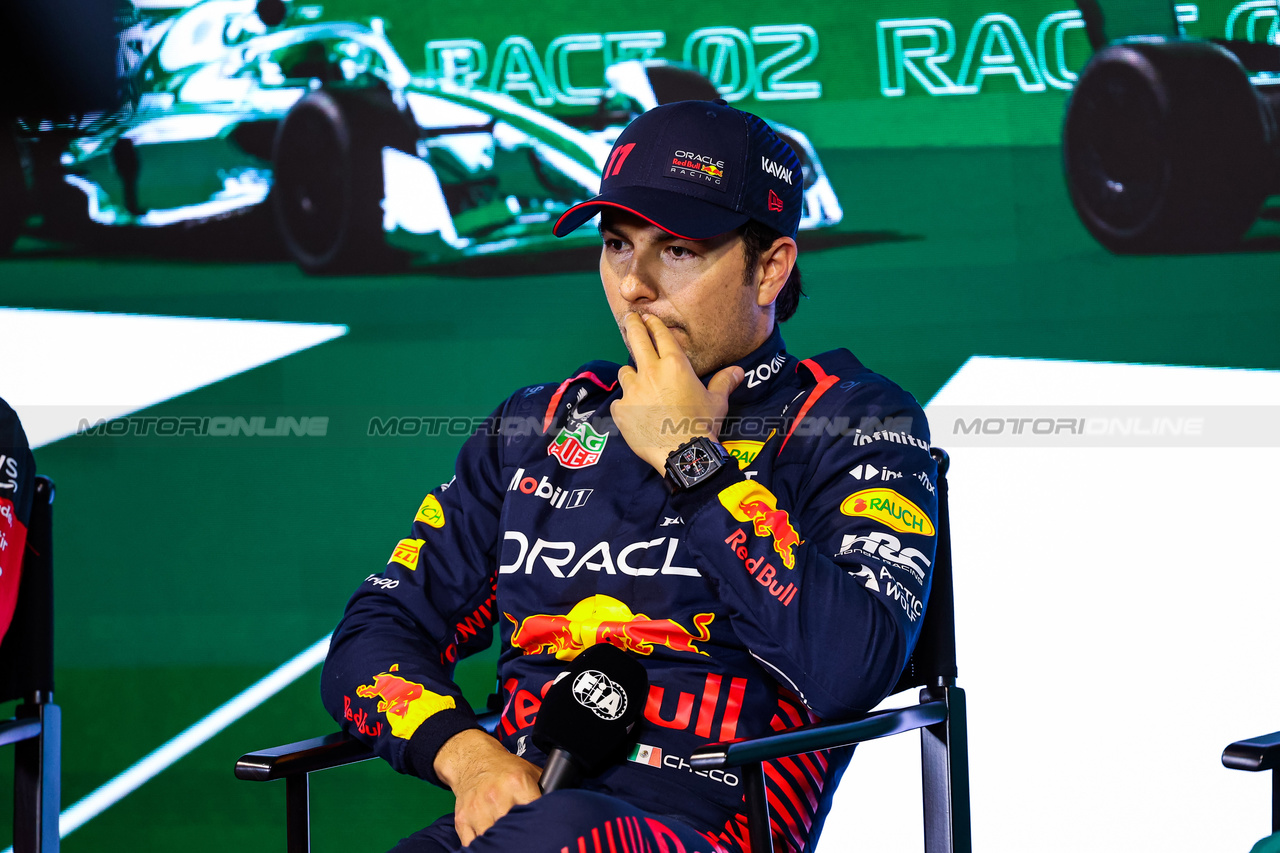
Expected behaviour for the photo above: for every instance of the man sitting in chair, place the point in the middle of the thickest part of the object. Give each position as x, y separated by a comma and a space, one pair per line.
756, 529
17, 481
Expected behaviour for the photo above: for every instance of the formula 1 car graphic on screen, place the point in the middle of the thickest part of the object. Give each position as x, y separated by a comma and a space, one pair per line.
238, 106
1170, 143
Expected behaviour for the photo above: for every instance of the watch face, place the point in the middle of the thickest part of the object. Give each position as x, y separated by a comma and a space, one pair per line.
693, 463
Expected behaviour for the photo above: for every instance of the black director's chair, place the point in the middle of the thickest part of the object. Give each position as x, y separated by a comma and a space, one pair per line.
26, 673
1256, 754
940, 717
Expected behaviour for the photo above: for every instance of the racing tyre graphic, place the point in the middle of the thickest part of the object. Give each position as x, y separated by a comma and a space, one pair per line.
1165, 148
328, 187
13, 191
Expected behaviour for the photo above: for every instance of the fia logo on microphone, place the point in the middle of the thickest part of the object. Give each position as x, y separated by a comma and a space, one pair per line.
601, 695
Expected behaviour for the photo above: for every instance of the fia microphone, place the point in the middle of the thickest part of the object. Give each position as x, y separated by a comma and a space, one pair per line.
586, 718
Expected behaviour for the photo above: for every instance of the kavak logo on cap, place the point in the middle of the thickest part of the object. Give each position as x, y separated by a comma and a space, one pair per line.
772, 168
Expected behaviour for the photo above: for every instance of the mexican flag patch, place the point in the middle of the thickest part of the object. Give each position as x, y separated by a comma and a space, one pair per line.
642, 753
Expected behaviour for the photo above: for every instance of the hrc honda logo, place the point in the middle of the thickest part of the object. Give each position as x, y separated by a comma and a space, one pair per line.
887, 548
558, 498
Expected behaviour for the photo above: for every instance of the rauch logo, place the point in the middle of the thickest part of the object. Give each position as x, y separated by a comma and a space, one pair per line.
890, 509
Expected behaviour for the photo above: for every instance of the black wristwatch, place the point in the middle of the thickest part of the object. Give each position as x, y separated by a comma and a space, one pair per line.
693, 462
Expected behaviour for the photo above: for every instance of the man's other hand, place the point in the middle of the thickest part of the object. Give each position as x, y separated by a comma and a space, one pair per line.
663, 403
486, 779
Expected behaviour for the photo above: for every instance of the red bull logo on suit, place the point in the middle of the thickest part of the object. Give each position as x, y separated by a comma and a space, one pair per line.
603, 619
405, 703
750, 501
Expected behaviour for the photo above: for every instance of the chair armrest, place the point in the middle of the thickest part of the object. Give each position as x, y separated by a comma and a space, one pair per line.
1259, 753
308, 756
819, 736
305, 756
19, 728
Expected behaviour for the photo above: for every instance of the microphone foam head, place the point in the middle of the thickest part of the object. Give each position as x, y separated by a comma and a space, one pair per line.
591, 709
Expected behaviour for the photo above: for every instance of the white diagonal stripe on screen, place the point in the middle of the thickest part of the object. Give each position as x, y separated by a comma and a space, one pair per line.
139, 774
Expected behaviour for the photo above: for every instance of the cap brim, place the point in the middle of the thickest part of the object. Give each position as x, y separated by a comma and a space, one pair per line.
683, 216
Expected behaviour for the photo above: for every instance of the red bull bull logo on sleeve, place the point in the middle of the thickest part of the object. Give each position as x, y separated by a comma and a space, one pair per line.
890, 509
603, 619
406, 704
750, 501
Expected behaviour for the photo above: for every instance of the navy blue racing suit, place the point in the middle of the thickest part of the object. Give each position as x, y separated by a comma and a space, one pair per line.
786, 588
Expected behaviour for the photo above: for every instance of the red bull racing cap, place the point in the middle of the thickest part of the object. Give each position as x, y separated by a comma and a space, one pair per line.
697, 169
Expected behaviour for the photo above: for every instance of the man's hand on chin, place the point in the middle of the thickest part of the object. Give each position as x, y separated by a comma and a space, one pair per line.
487, 780
663, 403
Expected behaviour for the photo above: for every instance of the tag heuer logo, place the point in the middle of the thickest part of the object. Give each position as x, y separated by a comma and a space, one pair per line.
578, 448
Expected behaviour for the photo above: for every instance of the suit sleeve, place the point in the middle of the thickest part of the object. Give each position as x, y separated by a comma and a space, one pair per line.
17, 481
826, 569
388, 678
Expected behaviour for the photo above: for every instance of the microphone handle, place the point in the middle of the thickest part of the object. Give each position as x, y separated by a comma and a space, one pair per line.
560, 771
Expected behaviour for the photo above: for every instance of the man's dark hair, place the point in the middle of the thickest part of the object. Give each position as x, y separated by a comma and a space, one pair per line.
755, 239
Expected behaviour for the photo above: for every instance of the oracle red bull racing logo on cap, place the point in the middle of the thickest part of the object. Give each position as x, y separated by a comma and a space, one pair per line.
694, 166
603, 619
750, 501
890, 509
405, 703
579, 447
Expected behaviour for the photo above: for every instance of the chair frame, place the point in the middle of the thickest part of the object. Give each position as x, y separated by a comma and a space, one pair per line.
940, 716
1257, 754
26, 672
